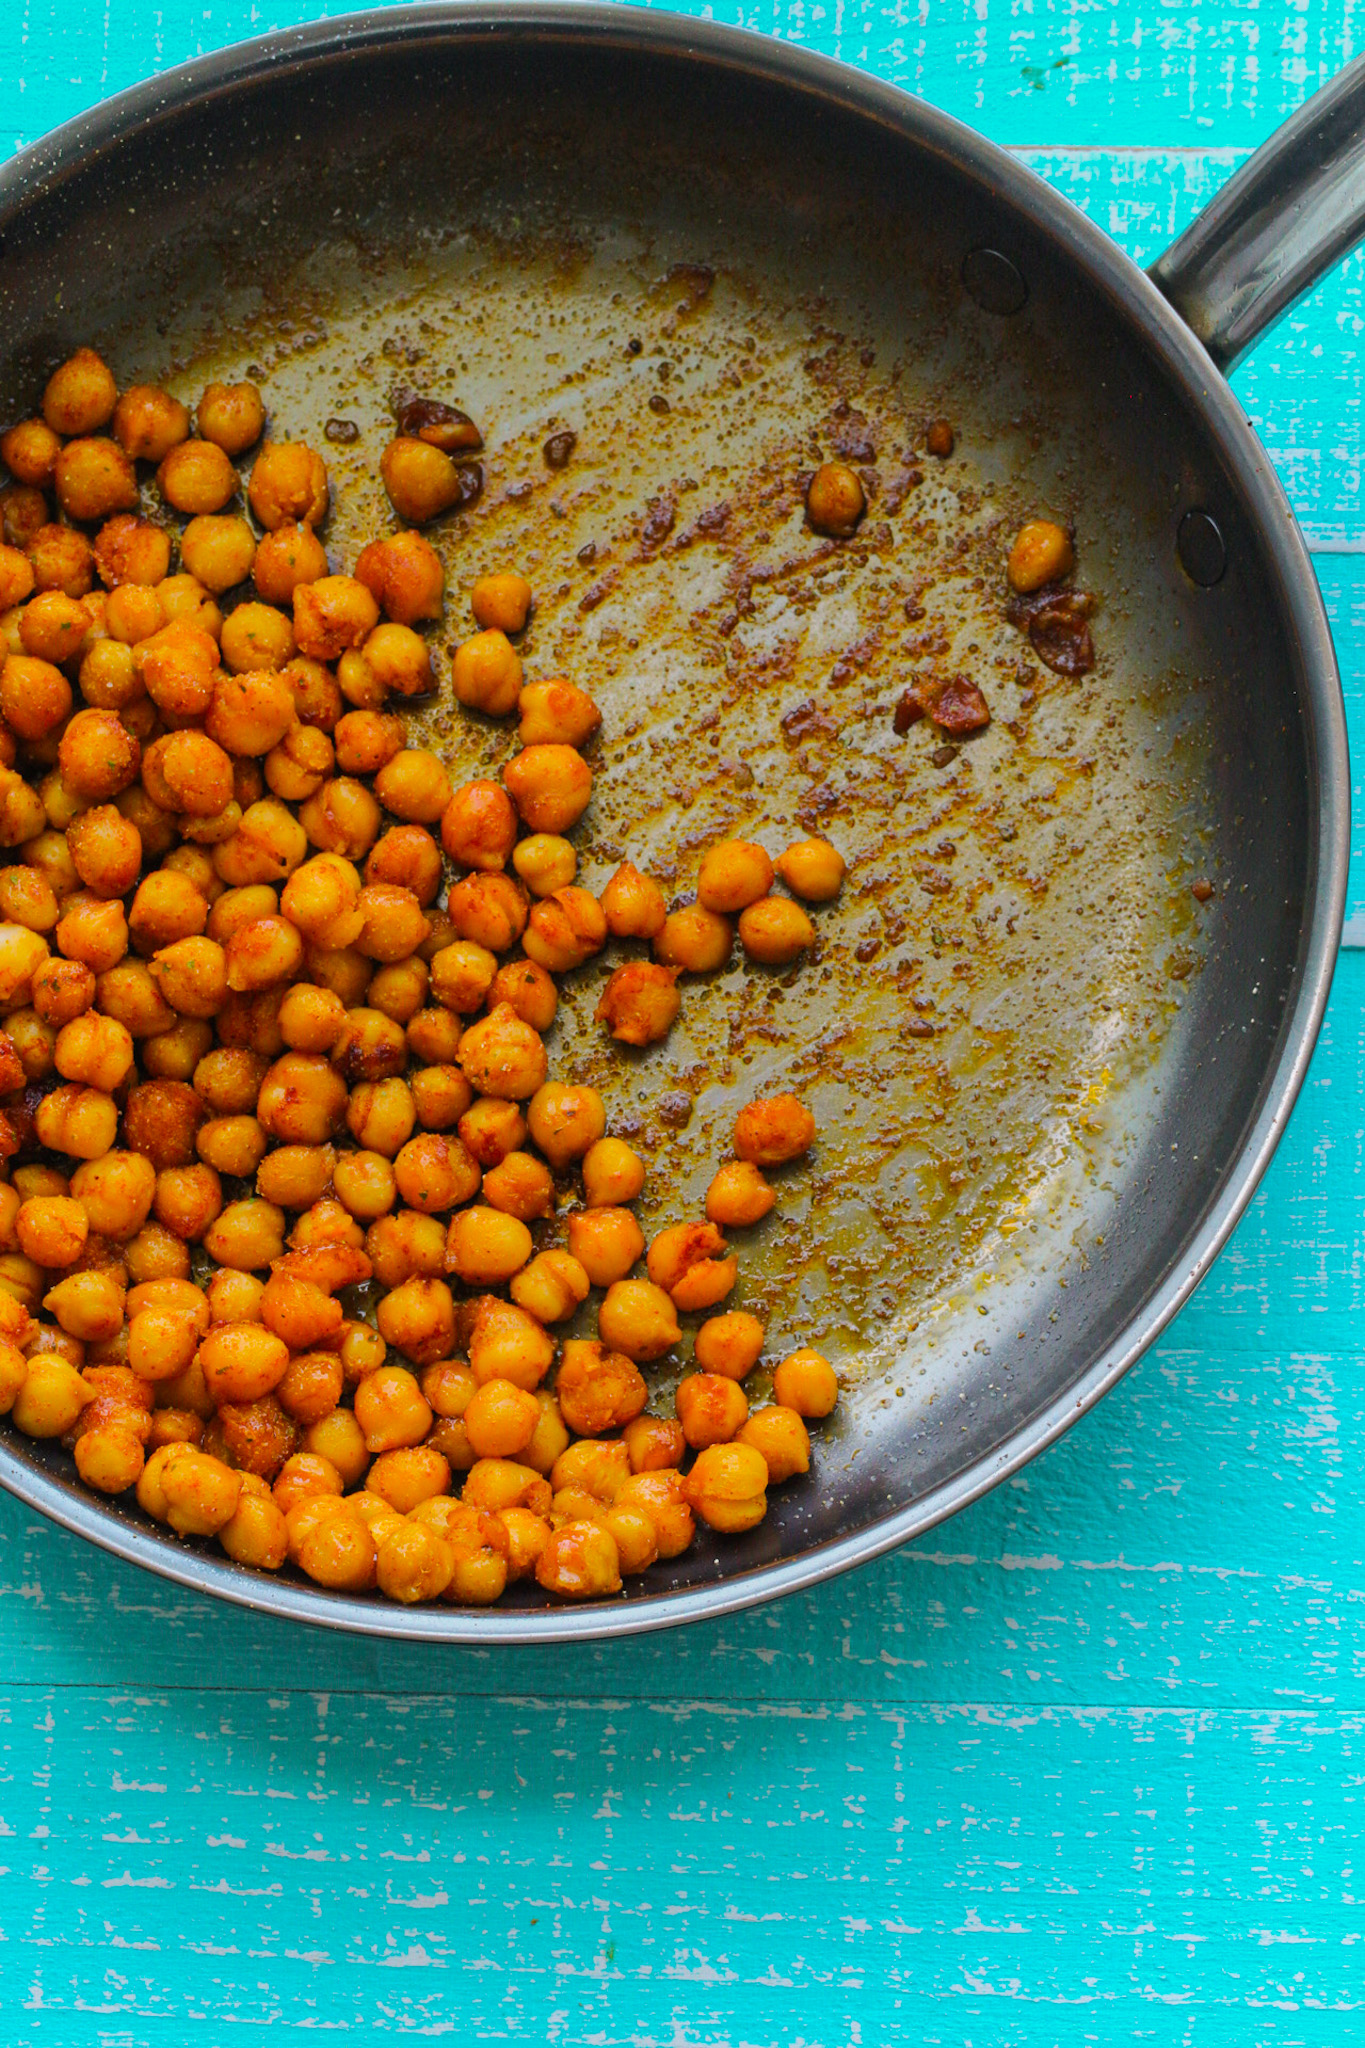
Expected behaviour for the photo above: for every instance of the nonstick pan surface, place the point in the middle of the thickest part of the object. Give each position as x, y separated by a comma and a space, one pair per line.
1046, 1078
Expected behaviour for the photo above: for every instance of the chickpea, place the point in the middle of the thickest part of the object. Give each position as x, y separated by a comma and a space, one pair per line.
233, 1145
606, 1242
342, 818
565, 930
660, 1494
683, 1261
306, 1476
598, 1389
520, 1185
185, 602
94, 479
284, 559
256, 1533
550, 785
80, 396
553, 1286
29, 452
365, 1186
110, 1459
27, 898
506, 1343
299, 1311
527, 1535
835, 500
502, 1056
711, 1408
492, 1128
813, 869
332, 615
489, 909
775, 931
196, 478
730, 1345
734, 874
311, 1019
638, 1318
52, 1230
694, 939
192, 976
127, 992
174, 1426
302, 1101
263, 954
295, 1176
232, 416
357, 681
415, 1564
806, 1382
556, 714
22, 815
479, 826
399, 660
22, 954
433, 1173
53, 626
34, 1043
579, 1562
440, 1096
612, 1174
88, 1305
405, 574
655, 1443
268, 845
299, 764
782, 1441
545, 863
406, 1246
423, 481
434, 1036
162, 1342
288, 486
312, 1386
177, 666
399, 991
381, 1116
344, 972
132, 613
338, 1438
565, 1121
16, 578
60, 558
391, 1409
105, 849
109, 680
367, 740
94, 1050
34, 696
340, 1553
235, 1297
155, 1253
50, 856
774, 1130
247, 1235
485, 1246
738, 1195
317, 697
160, 1121
81, 1122
501, 1419
371, 1047
35, 1181
486, 674
501, 602
462, 975
727, 1487
187, 1200
640, 1003
322, 897
218, 548
49, 1399
148, 422
242, 1361
1042, 553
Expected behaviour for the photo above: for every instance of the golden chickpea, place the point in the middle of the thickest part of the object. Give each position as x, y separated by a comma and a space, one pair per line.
109, 1459
59, 556
263, 954
187, 1200
632, 1531
545, 863
730, 1345
235, 1297
835, 500
367, 740
503, 1057
774, 1130
501, 1419
727, 1487
29, 452
485, 1247
415, 1564
288, 486
53, 627
501, 602
365, 1185
299, 1311
154, 1253
88, 1305
598, 1389
167, 907
268, 844
489, 909
434, 1173
565, 930
479, 826
160, 1120
185, 602
711, 1408
612, 1174
16, 578
527, 1535
22, 954
108, 676
520, 1185
228, 1080
201, 1493
655, 1443
27, 898
554, 1285
162, 1342
127, 992
232, 416
380, 1115
340, 1554
358, 683
133, 613
82, 1122
734, 874
344, 972
738, 1195
148, 422
550, 785
94, 479
218, 548
105, 849
174, 1426
34, 1043
311, 1019
233, 1145
52, 1230
775, 931
399, 660
565, 1121
332, 615
579, 1562
434, 1036
462, 975
247, 1235
638, 1318
640, 1003
806, 1382
487, 674
284, 559
399, 991
302, 1100
34, 1182
242, 1361
491, 1129
297, 767
80, 396
312, 1386
556, 713
34, 696
305, 1476
422, 481
295, 1176
507, 1344
391, 1409
812, 869
695, 939
405, 574
660, 1494
256, 1533
94, 1050
22, 814
338, 1438
1042, 553
342, 818
440, 1095
418, 1319
782, 1441
98, 755
321, 897
606, 1242
196, 478
317, 697
393, 922
50, 856
49, 1400
192, 976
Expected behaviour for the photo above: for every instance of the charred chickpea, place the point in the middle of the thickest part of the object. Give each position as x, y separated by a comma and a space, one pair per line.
711, 1408
288, 486
835, 499
486, 674
232, 416
80, 396
148, 422
806, 1382
812, 869
694, 939
729, 1345
545, 863
734, 874
491, 1129
775, 931
1042, 553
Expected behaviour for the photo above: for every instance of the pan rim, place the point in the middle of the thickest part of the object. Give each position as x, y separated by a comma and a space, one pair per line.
1183, 361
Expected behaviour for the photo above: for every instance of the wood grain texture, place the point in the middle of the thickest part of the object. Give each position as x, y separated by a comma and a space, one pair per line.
1082, 1766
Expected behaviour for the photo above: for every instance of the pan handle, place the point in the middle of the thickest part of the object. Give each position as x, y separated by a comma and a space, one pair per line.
1292, 211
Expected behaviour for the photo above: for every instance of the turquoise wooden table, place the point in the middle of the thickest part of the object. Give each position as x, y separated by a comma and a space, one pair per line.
1084, 1766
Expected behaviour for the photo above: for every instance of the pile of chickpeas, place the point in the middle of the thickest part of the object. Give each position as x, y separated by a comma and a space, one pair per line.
275, 997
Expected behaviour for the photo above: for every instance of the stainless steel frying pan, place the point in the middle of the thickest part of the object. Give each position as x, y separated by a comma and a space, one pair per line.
1048, 1072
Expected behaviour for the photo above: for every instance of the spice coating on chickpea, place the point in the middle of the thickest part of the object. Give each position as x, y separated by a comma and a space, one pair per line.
835, 499
1042, 553
812, 869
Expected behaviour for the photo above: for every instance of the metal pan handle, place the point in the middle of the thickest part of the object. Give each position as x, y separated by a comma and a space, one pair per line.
1292, 211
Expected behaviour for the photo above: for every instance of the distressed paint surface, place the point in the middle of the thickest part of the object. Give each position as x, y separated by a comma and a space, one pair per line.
1084, 1765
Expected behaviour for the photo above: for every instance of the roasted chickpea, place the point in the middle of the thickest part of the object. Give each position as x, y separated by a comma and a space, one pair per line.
256, 1533
247, 1235
332, 615
485, 1247
188, 1199
133, 613
94, 1050
486, 674
423, 481
29, 452
638, 1318
727, 1487
94, 479
399, 660
380, 1115
565, 930
365, 1186
550, 785
391, 1409
612, 1174
492, 1128
1042, 553
148, 422
440, 1096
52, 1230
192, 975
694, 939
53, 626
403, 1479
219, 549
545, 863
34, 695
813, 869
184, 601
730, 1345
640, 1003
773, 1130
734, 874
366, 740
556, 714
806, 1382
297, 767
196, 478
606, 1242
738, 1195
434, 1035
660, 1493
302, 1100
340, 1553
501, 1419
284, 559
16, 578
232, 416
684, 1260
775, 931
22, 954
79, 1121
80, 396
128, 992
50, 1397
521, 1185
288, 486
503, 1057
711, 1408
27, 898
835, 499
342, 818
34, 1043
565, 1121
462, 975
88, 1305
655, 1443
479, 826
105, 849
59, 556
501, 601
782, 1441
154, 1253
579, 1562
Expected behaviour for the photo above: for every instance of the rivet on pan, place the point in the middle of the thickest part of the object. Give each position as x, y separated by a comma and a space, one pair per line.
996, 283
1201, 548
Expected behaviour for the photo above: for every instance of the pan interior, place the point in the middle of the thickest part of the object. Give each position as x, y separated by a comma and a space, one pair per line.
1016, 996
